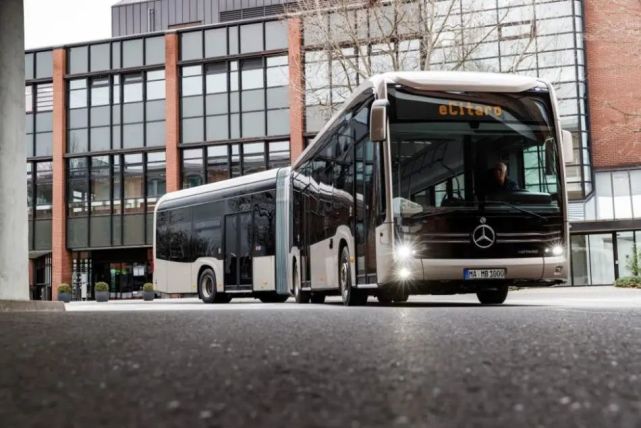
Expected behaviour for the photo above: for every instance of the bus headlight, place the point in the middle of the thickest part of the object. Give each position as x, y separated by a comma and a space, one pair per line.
557, 250
404, 251
404, 273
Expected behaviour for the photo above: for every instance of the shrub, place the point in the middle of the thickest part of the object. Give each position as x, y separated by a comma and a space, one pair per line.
102, 286
148, 286
64, 288
628, 282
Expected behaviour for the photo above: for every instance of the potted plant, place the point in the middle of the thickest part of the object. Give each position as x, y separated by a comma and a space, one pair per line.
102, 291
64, 292
148, 291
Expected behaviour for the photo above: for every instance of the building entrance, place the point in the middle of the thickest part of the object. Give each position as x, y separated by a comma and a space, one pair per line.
125, 271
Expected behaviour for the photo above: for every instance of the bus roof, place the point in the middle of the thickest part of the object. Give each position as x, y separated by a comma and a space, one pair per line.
241, 181
464, 81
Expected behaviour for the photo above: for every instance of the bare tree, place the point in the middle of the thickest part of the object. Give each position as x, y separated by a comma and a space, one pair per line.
347, 41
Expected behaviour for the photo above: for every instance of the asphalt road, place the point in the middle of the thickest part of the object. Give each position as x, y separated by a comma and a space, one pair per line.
546, 358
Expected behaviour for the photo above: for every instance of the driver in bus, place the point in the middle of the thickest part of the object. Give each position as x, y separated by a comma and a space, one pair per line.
499, 182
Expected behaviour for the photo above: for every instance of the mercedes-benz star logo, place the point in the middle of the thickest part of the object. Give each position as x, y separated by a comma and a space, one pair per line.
483, 236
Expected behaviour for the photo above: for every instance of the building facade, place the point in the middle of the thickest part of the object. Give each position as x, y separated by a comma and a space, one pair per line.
195, 91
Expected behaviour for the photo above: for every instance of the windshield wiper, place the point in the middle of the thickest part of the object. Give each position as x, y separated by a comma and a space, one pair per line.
523, 210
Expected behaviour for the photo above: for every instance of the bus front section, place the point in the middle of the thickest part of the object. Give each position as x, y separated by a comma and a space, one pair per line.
476, 192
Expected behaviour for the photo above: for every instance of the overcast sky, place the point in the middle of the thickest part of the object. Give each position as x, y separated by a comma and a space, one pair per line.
57, 22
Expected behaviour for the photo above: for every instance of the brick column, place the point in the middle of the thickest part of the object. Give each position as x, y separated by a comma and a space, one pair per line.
60, 256
172, 112
613, 50
296, 87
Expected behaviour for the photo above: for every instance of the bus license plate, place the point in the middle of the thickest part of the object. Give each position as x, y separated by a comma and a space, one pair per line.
484, 273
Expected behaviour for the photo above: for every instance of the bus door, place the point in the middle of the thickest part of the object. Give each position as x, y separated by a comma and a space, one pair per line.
238, 246
366, 211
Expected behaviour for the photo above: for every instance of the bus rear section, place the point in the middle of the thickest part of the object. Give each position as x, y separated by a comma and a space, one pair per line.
218, 241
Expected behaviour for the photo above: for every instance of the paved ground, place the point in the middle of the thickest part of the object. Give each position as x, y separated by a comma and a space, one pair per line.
555, 357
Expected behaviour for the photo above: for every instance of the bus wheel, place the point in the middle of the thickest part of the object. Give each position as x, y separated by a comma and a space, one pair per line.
350, 296
300, 296
207, 286
401, 297
385, 297
318, 298
273, 298
493, 296
222, 298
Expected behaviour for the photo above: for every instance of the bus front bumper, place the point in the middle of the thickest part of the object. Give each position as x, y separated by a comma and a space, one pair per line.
523, 269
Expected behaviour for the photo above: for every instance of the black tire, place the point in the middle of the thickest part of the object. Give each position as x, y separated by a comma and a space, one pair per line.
493, 296
222, 298
387, 297
318, 298
207, 286
384, 298
300, 296
272, 298
401, 298
350, 295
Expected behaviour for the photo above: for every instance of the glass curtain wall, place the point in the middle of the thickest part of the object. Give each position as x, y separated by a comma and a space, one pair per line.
224, 97
39, 146
110, 198
116, 105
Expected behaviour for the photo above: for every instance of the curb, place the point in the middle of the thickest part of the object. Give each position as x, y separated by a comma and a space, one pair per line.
31, 306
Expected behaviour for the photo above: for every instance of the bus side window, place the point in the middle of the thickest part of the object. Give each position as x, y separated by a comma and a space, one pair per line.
162, 250
207, 231
264, 223
180, 234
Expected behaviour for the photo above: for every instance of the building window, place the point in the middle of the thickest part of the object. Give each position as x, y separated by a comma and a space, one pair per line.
242, 100
133, 184
217, 163
44, 65
132, 53
192, 168
77, 187
118, 111
44, 189
278, 154
222, 161
38, 119
156, 180
100, 198
191, 45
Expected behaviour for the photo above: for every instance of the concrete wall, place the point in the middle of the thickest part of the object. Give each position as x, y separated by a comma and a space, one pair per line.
14, 256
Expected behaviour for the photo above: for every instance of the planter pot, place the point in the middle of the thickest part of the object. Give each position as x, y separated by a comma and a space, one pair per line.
102, 296
64, 297
148, 295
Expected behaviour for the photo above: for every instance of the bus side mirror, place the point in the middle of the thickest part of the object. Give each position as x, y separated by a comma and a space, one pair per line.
378, 121
568, 152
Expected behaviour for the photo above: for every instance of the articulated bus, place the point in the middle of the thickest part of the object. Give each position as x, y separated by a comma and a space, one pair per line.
422, 183
219, 240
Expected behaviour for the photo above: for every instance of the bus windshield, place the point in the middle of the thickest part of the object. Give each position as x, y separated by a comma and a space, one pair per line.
489, 152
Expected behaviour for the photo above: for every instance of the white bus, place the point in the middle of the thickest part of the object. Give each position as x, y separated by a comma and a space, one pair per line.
422, 183
432, 183
219, 240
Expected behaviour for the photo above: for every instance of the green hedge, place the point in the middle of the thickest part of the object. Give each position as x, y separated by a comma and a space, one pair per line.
148, 286
628, 282
102, 286
64, 288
